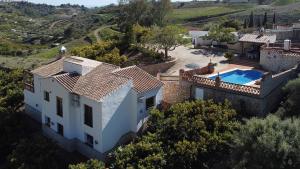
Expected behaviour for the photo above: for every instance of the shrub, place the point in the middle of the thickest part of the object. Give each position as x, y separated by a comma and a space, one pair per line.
229, 55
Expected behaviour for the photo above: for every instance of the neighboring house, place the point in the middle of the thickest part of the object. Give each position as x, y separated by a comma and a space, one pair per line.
88, 105
250, 43
284, 32
278, 58
199, 38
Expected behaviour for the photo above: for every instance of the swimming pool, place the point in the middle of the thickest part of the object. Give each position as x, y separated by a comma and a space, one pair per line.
238, 76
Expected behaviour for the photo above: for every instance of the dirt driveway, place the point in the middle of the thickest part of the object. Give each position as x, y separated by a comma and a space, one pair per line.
201, 57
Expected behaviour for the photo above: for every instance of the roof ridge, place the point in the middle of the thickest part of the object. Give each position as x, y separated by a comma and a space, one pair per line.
124, 68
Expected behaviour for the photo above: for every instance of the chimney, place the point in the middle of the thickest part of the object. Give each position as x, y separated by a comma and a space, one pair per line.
287, 45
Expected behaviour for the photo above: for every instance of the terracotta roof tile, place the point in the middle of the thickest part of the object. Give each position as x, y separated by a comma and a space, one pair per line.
68, 80
50, 69
142, 81
99, 82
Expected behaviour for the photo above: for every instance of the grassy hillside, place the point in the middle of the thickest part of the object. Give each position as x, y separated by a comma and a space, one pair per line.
285, 2
183, 14
32, 34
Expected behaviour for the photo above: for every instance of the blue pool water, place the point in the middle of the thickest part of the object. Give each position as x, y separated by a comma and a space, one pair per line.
239, 76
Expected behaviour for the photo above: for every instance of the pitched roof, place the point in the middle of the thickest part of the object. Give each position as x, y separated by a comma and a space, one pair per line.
256, 38
142, 80
50, 69
99, 82
68, 80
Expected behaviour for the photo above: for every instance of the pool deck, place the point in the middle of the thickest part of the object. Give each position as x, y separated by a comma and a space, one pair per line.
239, 63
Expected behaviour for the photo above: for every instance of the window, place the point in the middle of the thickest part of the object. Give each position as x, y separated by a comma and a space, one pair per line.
75, 100
150, 102
46, 96
88, 115
60, 129
48, 121
59, 106
89, 140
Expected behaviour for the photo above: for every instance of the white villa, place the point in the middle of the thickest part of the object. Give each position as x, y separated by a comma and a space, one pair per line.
88, 106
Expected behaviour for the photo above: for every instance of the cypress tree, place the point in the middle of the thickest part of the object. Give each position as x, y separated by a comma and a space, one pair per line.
245, 23
274, 18
251, 20
265, 19
258, 22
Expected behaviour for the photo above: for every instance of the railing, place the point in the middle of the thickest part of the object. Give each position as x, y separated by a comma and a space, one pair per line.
224, 85
29, 87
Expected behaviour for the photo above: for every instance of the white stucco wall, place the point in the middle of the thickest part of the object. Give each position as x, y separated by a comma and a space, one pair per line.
118, 115
73, 116
276, 61
49, 108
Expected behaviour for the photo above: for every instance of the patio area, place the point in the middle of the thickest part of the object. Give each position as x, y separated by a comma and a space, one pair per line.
188, 59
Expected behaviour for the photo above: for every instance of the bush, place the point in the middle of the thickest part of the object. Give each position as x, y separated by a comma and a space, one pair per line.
229, 55
269, 143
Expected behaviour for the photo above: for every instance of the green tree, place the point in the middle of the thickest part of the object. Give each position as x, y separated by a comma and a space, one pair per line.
104, 51
90, 164
274, 18
161, 9
251, 20
189, 135
167, 38
35, 153
269, 143
245, 24
220, 34
258, 22
112, 57
265, 21
291, 106
147, 153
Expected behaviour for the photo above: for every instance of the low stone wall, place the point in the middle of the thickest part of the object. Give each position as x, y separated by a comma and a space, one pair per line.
246, 105
173, 91
157, 68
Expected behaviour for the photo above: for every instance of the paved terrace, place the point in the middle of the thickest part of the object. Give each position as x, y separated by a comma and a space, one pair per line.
201, 57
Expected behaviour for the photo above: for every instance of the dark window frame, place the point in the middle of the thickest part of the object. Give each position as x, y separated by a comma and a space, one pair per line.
59, 107
47, 96
60, 129
48, 121
150, 102
89, 140
88, 115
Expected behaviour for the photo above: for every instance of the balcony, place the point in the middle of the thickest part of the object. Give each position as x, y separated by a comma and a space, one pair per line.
29, 87
28, 81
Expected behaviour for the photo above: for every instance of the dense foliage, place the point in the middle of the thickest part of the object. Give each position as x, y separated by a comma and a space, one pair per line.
189, 135
21, 143
90, 164
159, 38
104, 51
269, 143
219, 33
291, 106
143, 12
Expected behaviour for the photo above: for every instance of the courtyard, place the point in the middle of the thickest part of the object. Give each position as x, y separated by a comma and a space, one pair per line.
189, 58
